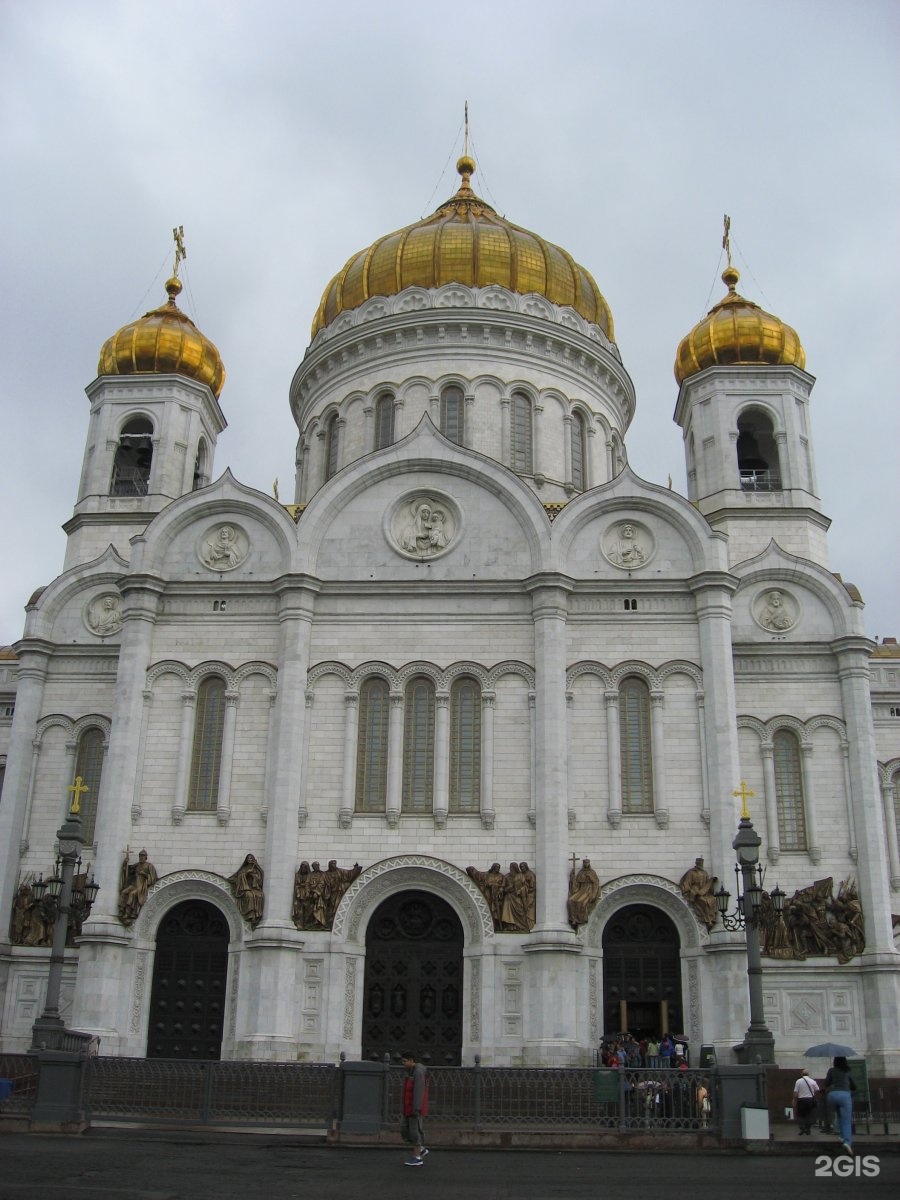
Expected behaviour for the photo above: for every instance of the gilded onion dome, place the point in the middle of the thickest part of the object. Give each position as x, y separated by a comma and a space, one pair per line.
737, 331
465, 241
162, 342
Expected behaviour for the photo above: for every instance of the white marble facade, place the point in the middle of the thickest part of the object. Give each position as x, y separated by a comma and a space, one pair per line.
435, 558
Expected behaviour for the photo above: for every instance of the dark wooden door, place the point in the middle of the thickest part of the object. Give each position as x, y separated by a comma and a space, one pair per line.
187, 1000
642, 967
414, 980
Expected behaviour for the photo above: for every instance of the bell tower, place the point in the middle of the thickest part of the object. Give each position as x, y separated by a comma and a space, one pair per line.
744, 411
154, 423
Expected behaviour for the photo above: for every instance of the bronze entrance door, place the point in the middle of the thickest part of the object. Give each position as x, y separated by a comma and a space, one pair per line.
413, 982
641, 973
187, 1000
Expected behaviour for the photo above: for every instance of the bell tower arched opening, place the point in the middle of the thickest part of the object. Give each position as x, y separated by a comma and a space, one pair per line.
757, 453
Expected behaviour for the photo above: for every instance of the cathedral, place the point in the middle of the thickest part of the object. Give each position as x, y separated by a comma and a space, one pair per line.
450, 752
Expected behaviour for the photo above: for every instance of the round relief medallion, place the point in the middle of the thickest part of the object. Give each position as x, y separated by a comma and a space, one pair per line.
423, 524
628, 545
776, 610
223, 547
103, 614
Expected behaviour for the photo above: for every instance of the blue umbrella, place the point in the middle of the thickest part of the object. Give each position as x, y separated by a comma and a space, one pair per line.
830, 1050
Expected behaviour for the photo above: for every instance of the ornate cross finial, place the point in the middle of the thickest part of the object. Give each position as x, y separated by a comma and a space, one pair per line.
78, 788
726, 237
275, 489
180, 252
745, 793
466, 136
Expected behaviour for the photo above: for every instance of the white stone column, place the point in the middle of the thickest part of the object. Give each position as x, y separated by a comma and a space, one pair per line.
395, 759
271, 961
713, 591
532, 764
226, 760
369, 440
770, 787
812, 825
441, 758
304, 490
704, 777
434, 409
137, 804
340, 428
351, 740
537, 442
487, 759
505, 440
848, 793
185, 752
785, 460
890, 824
567, 450
468, 409
881, 984
613, 759
658, 745
36, 747
34, 659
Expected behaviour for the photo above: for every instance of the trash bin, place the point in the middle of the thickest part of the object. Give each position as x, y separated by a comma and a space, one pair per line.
708, 1056
754, 1123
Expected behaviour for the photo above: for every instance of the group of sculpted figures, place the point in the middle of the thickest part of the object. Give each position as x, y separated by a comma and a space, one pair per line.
318, 893
511, 896
814, 921
33, 919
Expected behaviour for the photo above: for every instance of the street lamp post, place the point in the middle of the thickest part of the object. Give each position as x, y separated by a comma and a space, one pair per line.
759, 1041
61, 1052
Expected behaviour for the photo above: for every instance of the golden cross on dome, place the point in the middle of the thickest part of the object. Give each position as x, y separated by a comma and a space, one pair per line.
726, 246
745, 793
180, 252
78, 788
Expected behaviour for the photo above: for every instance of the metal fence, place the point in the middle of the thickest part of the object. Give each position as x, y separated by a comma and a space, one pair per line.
564, 1098
22, 1072
212, 1093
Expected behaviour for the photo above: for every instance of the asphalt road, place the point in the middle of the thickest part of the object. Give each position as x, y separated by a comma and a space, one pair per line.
147, 1166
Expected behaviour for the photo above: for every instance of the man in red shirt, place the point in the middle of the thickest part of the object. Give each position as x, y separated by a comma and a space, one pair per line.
415, 1108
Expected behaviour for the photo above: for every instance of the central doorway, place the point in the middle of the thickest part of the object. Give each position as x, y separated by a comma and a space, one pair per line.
187, 998
641, 973
413, 988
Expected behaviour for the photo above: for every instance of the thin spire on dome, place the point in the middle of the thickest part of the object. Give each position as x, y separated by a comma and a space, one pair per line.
465, 165
726, 237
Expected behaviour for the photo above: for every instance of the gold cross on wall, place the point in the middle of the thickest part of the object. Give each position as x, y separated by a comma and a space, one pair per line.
745, 793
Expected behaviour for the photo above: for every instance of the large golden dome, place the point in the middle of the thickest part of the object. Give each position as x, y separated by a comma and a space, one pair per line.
162, 342
737, 331
464, 241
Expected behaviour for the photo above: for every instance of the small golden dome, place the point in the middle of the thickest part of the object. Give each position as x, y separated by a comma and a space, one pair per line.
737, 331
162, 342
464, 241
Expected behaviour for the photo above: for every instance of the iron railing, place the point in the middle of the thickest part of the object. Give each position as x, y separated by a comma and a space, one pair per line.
21, 1070
571, 1098
760, 481
212, 1093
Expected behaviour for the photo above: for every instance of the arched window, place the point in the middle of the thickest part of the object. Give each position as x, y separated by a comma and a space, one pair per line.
201, 467
634, 743
757, 453
418, 746
465, 746
578, 435
89, 766
521, 435
384, 421
134, 457
372, 746
331, 446
206, 758
453, 414
789, 791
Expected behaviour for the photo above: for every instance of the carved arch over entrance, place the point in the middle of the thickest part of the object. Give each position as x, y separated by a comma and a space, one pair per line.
412, 872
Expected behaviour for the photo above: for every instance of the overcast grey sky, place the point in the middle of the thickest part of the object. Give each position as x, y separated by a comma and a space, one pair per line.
285, 136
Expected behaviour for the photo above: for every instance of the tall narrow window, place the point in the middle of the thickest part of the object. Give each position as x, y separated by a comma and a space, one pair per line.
520, 449
206, 758
201, 467
789, 791
384, 421
465, 746
89, 766
331, 446
418, 746
634, 740
372, 746
134, 457
453, 414
579, 450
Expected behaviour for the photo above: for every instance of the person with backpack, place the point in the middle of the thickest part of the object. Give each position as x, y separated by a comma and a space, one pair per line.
415, 1108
